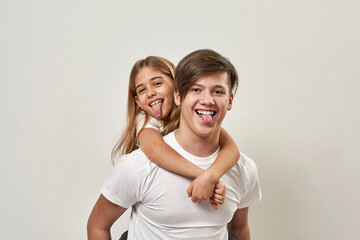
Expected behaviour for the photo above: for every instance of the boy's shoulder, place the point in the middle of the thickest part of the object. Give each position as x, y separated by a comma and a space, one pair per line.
131, 160
247, 166
170, 139
246, 161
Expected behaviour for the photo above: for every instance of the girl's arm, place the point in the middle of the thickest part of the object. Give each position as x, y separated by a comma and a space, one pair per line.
227, 158
154, 147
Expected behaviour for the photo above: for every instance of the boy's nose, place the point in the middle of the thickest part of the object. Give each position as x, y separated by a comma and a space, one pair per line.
207, 99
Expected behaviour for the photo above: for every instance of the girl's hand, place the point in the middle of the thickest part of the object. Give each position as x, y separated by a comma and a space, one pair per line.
218, 196
202, 187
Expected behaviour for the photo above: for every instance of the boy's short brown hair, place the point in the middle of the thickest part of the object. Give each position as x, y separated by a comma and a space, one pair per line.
200, 63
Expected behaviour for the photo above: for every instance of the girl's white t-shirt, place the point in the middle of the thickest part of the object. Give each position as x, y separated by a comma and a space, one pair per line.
152, 122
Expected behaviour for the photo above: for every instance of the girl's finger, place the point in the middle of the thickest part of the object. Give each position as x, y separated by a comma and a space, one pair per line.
219, 190
218, 198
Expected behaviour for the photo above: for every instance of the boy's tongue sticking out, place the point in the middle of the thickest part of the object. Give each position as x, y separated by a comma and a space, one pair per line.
206, 116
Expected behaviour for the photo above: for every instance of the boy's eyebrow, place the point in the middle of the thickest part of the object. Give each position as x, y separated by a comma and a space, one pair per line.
151, 79
215, 86
220, 86
197, 85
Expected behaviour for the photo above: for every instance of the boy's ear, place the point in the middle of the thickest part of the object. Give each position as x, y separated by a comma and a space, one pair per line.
231, 98
136, 99
177, 98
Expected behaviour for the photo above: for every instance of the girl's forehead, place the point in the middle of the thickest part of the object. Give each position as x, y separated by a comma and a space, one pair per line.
147, 73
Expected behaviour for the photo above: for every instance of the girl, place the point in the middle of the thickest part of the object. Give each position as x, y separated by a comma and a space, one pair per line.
151, 113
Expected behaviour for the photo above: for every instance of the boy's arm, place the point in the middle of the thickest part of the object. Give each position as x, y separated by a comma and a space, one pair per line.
227, 158
154, 147
102, 217
238, 227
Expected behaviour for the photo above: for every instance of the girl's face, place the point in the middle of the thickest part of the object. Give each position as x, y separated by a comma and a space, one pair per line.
154, 92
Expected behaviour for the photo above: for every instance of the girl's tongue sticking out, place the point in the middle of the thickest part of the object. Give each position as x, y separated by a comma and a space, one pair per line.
156, 106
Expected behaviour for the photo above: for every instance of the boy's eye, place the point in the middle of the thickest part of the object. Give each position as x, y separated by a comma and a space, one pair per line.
219, 92
195, 89
157, 83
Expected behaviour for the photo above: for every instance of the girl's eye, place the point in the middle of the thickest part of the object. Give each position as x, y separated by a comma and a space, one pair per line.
157, 83
141, 90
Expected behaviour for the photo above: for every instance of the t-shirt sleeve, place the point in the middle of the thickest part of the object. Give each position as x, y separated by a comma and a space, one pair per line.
151, 123
124, 184
253, 193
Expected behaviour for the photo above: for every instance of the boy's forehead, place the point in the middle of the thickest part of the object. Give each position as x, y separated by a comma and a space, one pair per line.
217, 79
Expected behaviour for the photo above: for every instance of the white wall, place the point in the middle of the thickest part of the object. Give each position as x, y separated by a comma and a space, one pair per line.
64, 68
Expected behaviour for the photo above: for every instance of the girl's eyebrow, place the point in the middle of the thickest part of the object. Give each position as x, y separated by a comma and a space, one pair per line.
140, 85
151, 79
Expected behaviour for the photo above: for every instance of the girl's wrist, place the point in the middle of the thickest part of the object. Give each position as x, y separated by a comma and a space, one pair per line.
211, 175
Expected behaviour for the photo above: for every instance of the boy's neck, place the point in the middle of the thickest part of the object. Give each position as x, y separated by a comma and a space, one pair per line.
197, 145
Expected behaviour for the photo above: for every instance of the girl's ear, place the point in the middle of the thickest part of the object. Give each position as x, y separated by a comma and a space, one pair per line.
231, 98
136, 99
177, 98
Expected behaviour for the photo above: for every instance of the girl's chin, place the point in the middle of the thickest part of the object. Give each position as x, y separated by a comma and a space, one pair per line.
157, 117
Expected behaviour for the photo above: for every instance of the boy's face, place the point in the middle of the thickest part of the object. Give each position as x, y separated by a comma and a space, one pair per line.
205, 105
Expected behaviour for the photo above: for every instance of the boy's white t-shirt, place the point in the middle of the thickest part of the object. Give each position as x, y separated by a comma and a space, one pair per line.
151, 123
161, 208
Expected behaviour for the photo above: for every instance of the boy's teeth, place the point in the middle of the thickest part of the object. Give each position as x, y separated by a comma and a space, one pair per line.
206, 112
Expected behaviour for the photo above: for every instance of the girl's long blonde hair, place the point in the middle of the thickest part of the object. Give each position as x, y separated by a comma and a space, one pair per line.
128, 141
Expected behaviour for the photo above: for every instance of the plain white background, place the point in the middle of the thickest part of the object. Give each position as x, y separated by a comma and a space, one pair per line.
64, 68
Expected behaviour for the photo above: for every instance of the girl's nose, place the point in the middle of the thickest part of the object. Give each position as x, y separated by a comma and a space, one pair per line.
151, 92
